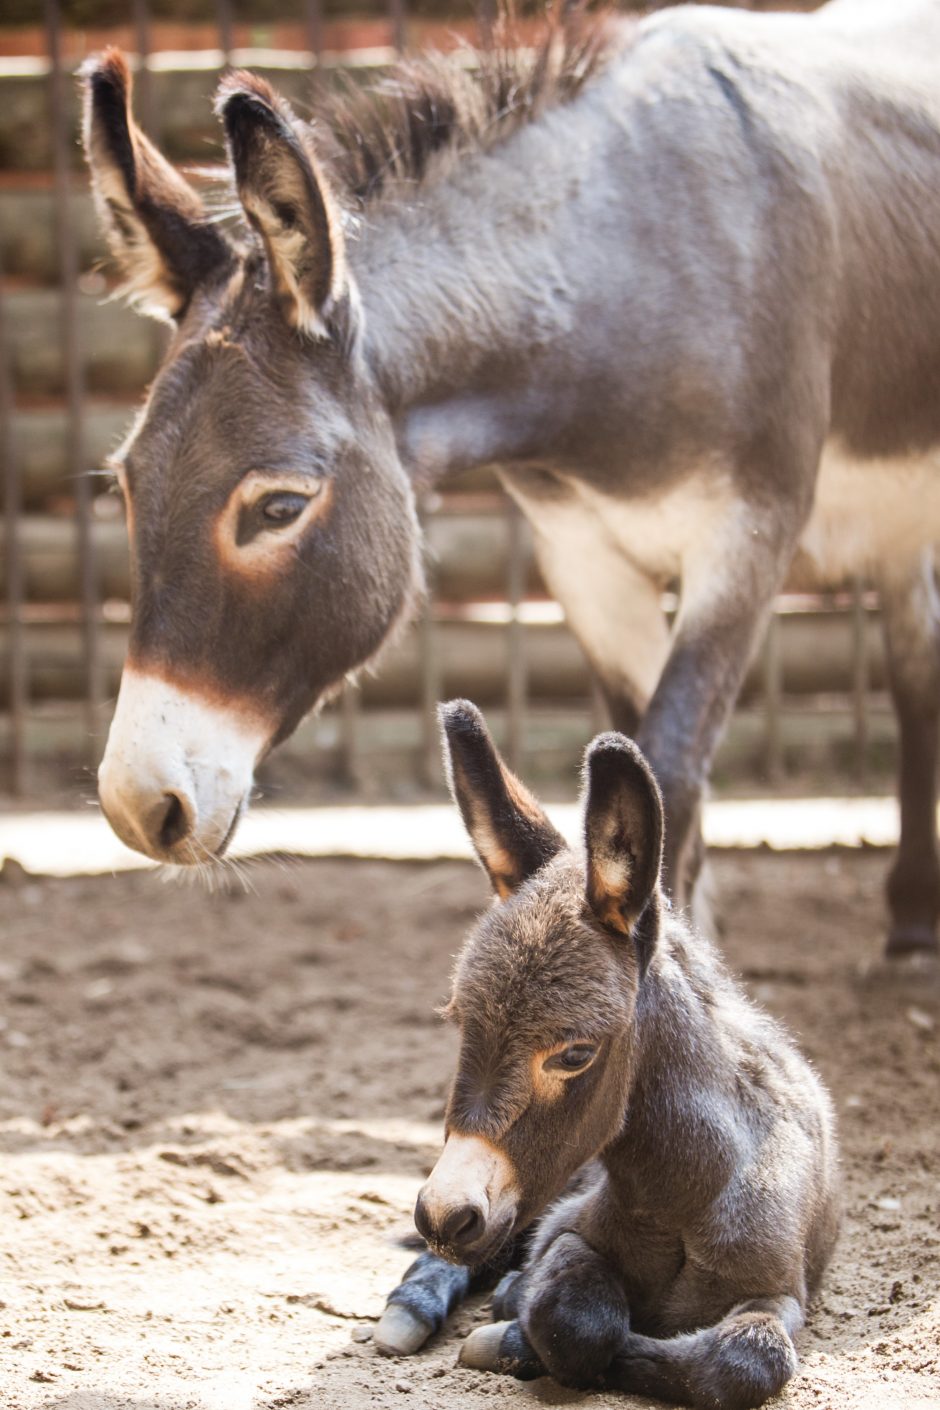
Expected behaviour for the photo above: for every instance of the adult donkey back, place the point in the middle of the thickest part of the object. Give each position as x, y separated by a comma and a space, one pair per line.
681, 279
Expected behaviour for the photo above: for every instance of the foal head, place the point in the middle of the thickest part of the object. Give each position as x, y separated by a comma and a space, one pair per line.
544, 989
273, 537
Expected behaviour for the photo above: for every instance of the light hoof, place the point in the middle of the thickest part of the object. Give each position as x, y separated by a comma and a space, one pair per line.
400, 1332
481, 1350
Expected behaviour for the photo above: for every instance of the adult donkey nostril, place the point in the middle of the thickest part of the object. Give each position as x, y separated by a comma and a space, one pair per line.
176, 822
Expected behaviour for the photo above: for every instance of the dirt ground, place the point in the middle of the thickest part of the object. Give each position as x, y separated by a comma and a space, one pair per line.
215, 1111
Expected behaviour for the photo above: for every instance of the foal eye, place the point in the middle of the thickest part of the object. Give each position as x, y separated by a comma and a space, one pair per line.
571, 1059
282, 508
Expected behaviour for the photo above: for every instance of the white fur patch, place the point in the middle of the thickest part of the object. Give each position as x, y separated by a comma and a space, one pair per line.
871, 513
168, 742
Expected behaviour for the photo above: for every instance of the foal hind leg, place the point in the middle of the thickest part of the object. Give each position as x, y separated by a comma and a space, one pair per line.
737, 1364
911, 621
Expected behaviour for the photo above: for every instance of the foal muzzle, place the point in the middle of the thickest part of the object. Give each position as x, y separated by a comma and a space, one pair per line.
177, 770
467, 1207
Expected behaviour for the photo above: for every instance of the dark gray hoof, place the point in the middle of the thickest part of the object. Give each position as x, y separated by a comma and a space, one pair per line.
904, 940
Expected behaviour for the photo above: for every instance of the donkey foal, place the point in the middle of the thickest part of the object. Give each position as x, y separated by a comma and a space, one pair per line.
601, 1038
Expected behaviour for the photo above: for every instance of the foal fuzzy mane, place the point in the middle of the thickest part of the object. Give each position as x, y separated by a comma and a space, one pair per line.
390, 134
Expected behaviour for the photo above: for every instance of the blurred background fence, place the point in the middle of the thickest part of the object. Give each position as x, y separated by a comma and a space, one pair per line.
72, 368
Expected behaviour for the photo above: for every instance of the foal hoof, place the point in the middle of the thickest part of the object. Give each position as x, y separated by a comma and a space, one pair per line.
481, 1350
399, 1332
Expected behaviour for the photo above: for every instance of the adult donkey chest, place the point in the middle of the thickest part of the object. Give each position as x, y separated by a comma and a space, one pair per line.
652, 271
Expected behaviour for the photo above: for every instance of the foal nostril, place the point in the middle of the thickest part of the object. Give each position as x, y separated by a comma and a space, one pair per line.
176, 822
463, 1226
459, 1229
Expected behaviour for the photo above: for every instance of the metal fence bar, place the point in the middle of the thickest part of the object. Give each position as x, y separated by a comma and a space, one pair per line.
398, 17
12, 491
860, 678
517, 681
350, 709
429, 764
79, 481
224, 19
313, 26
773, 695
146, 108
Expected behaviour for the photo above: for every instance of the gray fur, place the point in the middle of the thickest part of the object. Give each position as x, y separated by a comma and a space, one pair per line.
706, 1199
661, 296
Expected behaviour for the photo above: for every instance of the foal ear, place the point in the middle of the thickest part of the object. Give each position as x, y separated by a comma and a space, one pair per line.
512, 836
286, 199
155, 223
623, 828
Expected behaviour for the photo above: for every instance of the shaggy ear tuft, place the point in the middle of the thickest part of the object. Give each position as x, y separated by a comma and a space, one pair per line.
156, 225
623, 827
511, 833
286, 198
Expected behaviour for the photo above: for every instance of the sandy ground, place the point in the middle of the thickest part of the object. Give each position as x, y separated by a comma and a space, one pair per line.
215, 1111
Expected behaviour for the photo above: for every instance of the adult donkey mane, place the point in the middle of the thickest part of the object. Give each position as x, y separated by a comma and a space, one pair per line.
381, 139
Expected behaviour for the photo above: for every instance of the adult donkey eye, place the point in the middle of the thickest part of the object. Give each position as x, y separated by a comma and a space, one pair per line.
571, 1059
282, 508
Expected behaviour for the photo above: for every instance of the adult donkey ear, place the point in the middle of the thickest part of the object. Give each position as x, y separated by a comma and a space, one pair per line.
623, 828
286, 198
156, 224
512, 836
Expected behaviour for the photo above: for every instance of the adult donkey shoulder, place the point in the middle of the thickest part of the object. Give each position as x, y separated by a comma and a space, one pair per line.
680, 279
599, 1035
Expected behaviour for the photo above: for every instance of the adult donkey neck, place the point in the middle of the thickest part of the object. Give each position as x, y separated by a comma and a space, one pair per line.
473, 283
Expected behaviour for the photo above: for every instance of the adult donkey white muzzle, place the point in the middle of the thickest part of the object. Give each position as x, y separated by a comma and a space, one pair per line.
177, 769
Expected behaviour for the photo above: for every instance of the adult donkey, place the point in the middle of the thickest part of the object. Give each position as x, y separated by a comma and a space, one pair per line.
680, 279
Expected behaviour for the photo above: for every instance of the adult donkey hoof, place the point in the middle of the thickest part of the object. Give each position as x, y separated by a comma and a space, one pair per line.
400, 1332
904, 940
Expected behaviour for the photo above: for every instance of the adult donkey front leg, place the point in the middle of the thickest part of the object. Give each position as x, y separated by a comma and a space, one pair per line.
728, 585
910, 612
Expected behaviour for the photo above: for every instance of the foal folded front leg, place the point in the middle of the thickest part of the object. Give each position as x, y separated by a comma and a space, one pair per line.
572, 1316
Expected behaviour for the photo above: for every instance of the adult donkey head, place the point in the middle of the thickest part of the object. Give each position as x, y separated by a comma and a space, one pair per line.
545, 988
272, 527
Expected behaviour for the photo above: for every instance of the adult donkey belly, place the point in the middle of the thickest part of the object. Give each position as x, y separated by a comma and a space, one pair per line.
871, 516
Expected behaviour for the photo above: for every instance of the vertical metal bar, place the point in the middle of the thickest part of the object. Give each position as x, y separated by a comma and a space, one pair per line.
599, 713
860, 678
223, 11
12, 496
396, 13
773, 693
313, 25
349, 710
517, 675
487, 17
146, 108
74, 380
430, 760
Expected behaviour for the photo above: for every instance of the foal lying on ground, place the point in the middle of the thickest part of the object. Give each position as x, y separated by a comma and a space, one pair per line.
600, 1036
